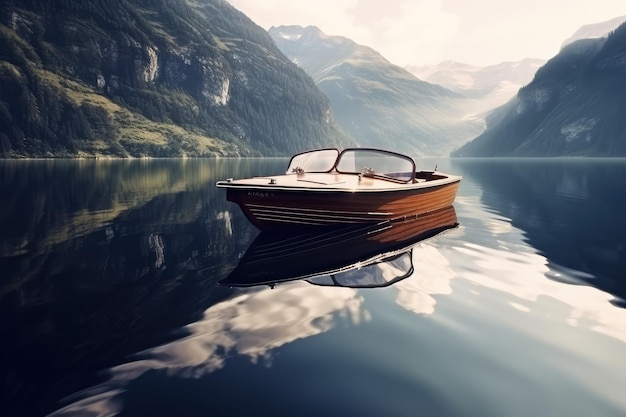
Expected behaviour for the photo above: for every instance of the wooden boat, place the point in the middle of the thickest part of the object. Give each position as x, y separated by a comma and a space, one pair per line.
357, 255
326, 187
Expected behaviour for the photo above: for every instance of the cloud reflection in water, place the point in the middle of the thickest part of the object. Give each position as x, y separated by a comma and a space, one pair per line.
522, 273
433, 276
252, 323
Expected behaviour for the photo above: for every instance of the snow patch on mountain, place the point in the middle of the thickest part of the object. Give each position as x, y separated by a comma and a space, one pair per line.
289, 36
579, 129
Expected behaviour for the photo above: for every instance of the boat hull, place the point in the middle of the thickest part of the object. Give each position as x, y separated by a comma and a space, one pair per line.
270, 209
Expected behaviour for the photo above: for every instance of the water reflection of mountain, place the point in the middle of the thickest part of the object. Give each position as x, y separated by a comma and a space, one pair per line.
570, 209
49, 205
253, 323
100, 260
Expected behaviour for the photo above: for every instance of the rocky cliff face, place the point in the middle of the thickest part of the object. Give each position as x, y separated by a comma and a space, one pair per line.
156, 78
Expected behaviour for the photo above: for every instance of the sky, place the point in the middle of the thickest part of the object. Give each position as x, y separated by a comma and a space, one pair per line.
426, 32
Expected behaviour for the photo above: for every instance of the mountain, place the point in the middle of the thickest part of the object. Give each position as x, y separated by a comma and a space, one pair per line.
150, 78
376, 102
486, 87
575, 106
594, 30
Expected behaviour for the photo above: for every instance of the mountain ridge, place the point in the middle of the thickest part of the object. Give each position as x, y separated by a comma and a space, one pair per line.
573, 107
135, 78
486, 88
376, 102
594, 30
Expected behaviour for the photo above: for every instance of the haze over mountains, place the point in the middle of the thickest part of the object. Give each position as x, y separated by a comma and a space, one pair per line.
198, 78
594, 30
494, 85
379, 104
376, 102
574, 106
485, 87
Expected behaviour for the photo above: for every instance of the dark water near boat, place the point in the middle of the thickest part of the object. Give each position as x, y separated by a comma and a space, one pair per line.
110, 302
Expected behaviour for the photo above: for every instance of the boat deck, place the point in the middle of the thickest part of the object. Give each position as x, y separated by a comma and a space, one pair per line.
332, 182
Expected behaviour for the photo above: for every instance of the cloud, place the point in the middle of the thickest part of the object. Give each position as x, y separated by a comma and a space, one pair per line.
399, 29
417, 32
416, 29
329, 15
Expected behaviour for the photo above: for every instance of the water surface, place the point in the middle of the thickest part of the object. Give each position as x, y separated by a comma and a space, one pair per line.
111, 304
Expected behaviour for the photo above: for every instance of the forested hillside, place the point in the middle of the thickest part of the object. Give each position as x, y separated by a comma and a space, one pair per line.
150, 78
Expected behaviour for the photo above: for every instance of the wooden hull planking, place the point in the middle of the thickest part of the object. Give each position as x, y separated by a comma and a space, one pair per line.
274, 209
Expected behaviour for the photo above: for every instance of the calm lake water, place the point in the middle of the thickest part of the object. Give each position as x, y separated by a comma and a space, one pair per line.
110, 302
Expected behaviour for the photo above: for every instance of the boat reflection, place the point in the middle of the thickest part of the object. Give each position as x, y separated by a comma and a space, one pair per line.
359, 256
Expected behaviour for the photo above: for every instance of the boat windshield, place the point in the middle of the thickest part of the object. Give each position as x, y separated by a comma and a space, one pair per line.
381, 273
377, 163
320, 160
